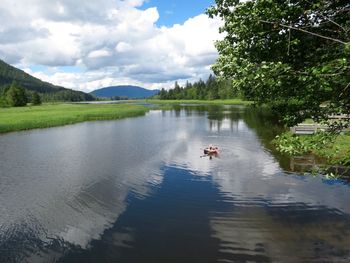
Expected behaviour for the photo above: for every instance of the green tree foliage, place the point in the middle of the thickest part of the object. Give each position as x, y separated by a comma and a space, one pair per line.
16, 96
301, 145
36, 100
67, 95
63, 95
3, 100
200, 90
290, 54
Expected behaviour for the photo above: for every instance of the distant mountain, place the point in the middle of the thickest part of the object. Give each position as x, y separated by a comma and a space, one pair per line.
8, 74
131, 92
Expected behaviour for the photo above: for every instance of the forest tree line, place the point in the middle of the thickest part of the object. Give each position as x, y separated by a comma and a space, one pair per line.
211, 89
14, 95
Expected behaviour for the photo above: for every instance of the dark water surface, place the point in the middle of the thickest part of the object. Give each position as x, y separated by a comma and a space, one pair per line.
137, 190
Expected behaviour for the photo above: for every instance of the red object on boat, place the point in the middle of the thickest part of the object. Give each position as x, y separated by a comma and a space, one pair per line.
211, 151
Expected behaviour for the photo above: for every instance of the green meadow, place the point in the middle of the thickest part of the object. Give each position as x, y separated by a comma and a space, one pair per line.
50, 115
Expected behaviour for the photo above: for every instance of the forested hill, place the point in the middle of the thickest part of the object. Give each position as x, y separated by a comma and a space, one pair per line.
131, 92
9, 74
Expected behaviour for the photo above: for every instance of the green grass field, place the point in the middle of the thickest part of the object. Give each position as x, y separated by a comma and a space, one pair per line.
211, 102
341, 148
50, 115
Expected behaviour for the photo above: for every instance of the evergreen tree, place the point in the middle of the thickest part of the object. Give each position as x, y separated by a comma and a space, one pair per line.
211, 89
16, 96
36, 100
163, 95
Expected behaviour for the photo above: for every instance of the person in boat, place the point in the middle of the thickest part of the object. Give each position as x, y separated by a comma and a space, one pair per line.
211, 150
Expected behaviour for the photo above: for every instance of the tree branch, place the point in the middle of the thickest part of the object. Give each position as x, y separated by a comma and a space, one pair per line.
333, 22
347, 86
304, 31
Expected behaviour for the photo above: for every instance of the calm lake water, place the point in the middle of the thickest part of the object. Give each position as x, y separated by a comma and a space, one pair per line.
138, 190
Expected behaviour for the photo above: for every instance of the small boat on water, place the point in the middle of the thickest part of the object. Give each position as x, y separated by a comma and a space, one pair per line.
211, 150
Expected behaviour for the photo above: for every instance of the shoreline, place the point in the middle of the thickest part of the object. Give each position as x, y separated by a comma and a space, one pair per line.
334, 150
59, 114
204, 102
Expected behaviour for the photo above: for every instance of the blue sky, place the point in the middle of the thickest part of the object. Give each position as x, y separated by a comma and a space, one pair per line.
177, 11
86, 45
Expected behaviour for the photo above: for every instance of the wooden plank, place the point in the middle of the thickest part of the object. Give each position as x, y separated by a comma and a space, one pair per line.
307, 129
339, 116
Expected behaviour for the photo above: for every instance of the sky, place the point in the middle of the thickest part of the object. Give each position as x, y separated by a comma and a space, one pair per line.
86, 45
177, 11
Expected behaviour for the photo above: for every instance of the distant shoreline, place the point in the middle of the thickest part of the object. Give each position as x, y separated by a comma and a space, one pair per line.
208, 102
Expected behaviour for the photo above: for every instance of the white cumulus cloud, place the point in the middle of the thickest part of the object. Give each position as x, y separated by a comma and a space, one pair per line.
113, 41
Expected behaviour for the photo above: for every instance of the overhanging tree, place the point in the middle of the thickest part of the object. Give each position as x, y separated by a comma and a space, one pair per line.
290, 54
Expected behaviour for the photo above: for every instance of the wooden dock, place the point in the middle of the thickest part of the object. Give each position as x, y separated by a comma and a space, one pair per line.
307, 129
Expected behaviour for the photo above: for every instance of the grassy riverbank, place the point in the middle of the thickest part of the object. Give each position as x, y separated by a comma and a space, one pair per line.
50, 115
339, 152
335, 149
211, 102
